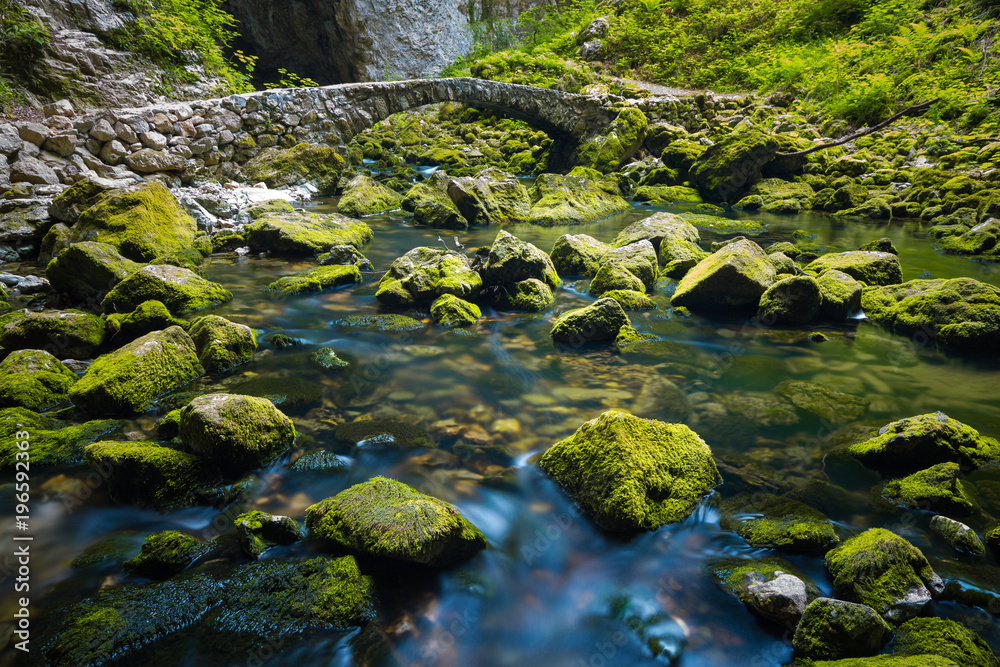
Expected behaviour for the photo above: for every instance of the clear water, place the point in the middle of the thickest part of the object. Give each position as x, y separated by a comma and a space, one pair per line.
541, 593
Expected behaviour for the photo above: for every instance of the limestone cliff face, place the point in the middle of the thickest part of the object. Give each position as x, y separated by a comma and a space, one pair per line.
341, 41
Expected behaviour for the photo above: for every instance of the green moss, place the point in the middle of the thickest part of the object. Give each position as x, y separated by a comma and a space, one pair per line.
512, 260
937, 488
774, 522
723, 169
269, 206
722, 225
165, 554
423, 274
630, 299
227, 241
943, 638
326, 359
835, 406
733, 277
577, 254
66, 334
451, 311
141, 222
607, 152
980, 240
89, 270
390, 520
872, 268
493, 196
259, 531
363, 196
881, 570
600, 321
794, 300
959, 536
841, 295
222, 344
613, 276
432, 206
735, 574
300, 233
316, 279
922, 441
146, 474
632, 474
111, 550
665, 194
148, 316
180, 290
279, 168
169, 426
128, 379
557, 199
34, 379
531, 295
384, 322
629, 336
53, 443
835, 629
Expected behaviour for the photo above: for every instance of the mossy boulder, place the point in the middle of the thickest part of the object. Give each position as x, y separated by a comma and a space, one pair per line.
87, 271
53, 442
733, 278
630, 300
389, 520
609, 151
66, 334
640, 259
794, 300
130, 378
34, 379
316, 279
614, 276
776, 195
657, 228
600, 321
259, 531
222, 344
922, 441
364, 196
298, 233
326, 359
836, 407
165, 554
885, 572
769, 586
529, 295
961, 312
944, 638
773, 522
577, 254
74, 200
423, 274
451, 311
784, 264
841, 295
491, 196
302, 163
959, 536
147, 474
237, 433
666, 194
557, 199
430, 204
733, 163
980, 240
938, 488
632, 474
833, 629
148, 316
382, 322
181, 290
142, 222
512, 260
870, 267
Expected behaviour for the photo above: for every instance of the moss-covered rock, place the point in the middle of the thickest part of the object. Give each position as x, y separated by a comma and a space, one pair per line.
423, 274
841, 295
834, 406
430, 204
298, 233
980, 240
389, 520
490, 197
885, 572
726, 167
237, 433
883, 244
778, 196
922, 441
872, 268
638, 258
794, 300
961, 312
784, 264
608, 151
512, 260
259, 531
382, 322
597, 322
577, 254
142, 222
71, 202
614, 276
222, 344
831, 629
180, 290
657, 228
66, 334
631, 300
768, 586
773, 522
451, 311
632, 474
128, 379
732, 278
326, 359
165, 554
147, 474
89, 270
364, 196
938, 488
529, 295
148, 316
34, 379
53, 442
944, 638
302, 163
959, 536
666, 194
557, 199
316, 279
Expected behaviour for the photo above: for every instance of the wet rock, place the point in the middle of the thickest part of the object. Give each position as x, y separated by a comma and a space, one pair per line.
259, 531
959, 536
938, 488
784, 264
557, 199
883, 244
795, 300
726, 167
66, 334
733, 278
423, 274
297, 233
944, 638
760, 408
490, 197
640, 259
34, 379
768, 586
383, 322
613, 275
578, 254
363, 196
27, 169
834, 406
451, 311
611, 149
597, 322
885, 572
53, 442
303, 163
321, 461
512, 260
656, 228
870, 267
922, 441
165, 554
961, 312
430, 204
180, 290
389, 520
776, 522
776, 195
286, 389
661, 398
345, 254
632, 474
529, 295
222, 344
316, 279
146, 317
833, 629
841, 295
87, 271
630, 299
68, 205
128, 379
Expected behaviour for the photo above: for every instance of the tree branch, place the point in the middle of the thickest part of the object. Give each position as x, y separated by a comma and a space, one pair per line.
912, 110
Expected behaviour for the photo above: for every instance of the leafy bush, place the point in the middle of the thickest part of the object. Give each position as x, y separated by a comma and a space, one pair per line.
22, 37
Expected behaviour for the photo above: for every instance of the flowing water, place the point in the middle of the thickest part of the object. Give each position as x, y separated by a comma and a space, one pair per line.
499, 393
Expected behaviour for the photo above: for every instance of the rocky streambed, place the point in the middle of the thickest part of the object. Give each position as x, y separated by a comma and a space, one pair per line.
487, 417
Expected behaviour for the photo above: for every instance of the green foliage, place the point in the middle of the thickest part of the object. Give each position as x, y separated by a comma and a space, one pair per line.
288, 79
22, 37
